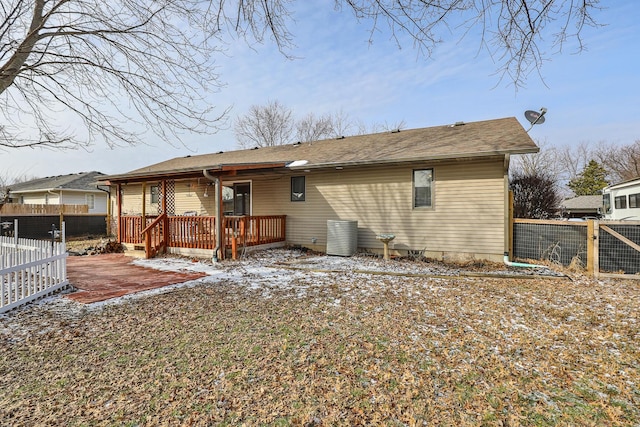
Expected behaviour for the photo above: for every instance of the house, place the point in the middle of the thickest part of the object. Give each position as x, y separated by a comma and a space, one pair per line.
582, 206
73, 189
441, 191
621, 201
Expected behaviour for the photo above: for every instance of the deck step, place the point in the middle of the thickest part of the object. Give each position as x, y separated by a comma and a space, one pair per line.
135, 253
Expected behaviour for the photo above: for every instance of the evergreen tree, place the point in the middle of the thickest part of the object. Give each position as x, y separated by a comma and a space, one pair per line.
590, 181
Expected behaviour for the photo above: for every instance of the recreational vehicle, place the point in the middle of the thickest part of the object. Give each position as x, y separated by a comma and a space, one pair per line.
622, 201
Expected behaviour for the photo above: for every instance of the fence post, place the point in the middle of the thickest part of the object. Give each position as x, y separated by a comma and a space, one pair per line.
596, 249
593, 248
510, 226
590, 248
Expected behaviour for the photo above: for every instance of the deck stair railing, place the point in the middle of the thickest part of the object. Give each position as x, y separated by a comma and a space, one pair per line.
156, 236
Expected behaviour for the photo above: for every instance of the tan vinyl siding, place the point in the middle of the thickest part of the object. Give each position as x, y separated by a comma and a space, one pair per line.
131, 199
467, 215
189, 197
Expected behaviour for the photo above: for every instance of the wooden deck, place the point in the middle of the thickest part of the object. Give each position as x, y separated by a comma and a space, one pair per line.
199, 232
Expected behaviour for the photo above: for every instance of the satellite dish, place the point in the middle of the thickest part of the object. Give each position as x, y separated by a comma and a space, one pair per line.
535, 117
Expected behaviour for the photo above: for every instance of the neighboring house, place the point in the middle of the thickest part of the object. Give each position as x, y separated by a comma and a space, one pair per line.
582, 206
442, 191
622, 201
73, 189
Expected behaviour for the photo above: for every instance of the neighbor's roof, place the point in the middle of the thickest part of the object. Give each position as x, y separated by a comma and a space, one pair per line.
84, 181
583, 202
461, 140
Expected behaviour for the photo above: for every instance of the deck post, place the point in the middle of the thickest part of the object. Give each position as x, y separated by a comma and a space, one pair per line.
234, 247
119, 203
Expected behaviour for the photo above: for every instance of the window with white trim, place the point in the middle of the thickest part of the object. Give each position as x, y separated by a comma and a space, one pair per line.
423, 188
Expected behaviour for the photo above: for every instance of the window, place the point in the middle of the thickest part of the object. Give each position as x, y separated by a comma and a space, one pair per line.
297, 188
621, 202
422, 188
634, 200
606, 202
91, 201
46, 199
154, 193
22, 200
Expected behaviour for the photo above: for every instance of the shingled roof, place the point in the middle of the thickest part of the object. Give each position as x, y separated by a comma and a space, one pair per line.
456, 141
85, 181
583, 203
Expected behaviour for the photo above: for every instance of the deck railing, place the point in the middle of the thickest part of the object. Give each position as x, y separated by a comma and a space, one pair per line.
254, 230
192, 232
200, 231
131, 228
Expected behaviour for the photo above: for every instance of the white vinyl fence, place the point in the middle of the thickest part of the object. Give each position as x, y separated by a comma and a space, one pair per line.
30, 269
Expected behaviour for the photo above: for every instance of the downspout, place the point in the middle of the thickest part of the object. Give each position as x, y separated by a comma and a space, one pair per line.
216, 183
508, 229
520, 264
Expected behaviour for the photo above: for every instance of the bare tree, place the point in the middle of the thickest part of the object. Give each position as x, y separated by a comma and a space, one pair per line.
124, 68
265, 126
545, 162
621, 162
342, 124
274, 124
517, 33
312, 128
377, 127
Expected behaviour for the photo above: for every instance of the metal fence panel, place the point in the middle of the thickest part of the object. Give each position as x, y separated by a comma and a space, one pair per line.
563, 242
559, 242
616, 256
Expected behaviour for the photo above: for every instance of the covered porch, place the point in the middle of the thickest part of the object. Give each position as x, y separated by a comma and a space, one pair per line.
166, 220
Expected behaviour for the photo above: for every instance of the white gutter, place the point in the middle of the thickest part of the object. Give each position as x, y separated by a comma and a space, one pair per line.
216, 181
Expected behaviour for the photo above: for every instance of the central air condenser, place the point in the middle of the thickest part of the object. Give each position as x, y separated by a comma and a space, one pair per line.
342, 237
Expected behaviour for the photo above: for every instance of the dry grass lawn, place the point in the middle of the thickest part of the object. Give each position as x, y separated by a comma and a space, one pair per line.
331, 349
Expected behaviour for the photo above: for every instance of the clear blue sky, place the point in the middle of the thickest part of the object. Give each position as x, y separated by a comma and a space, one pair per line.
590, 97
